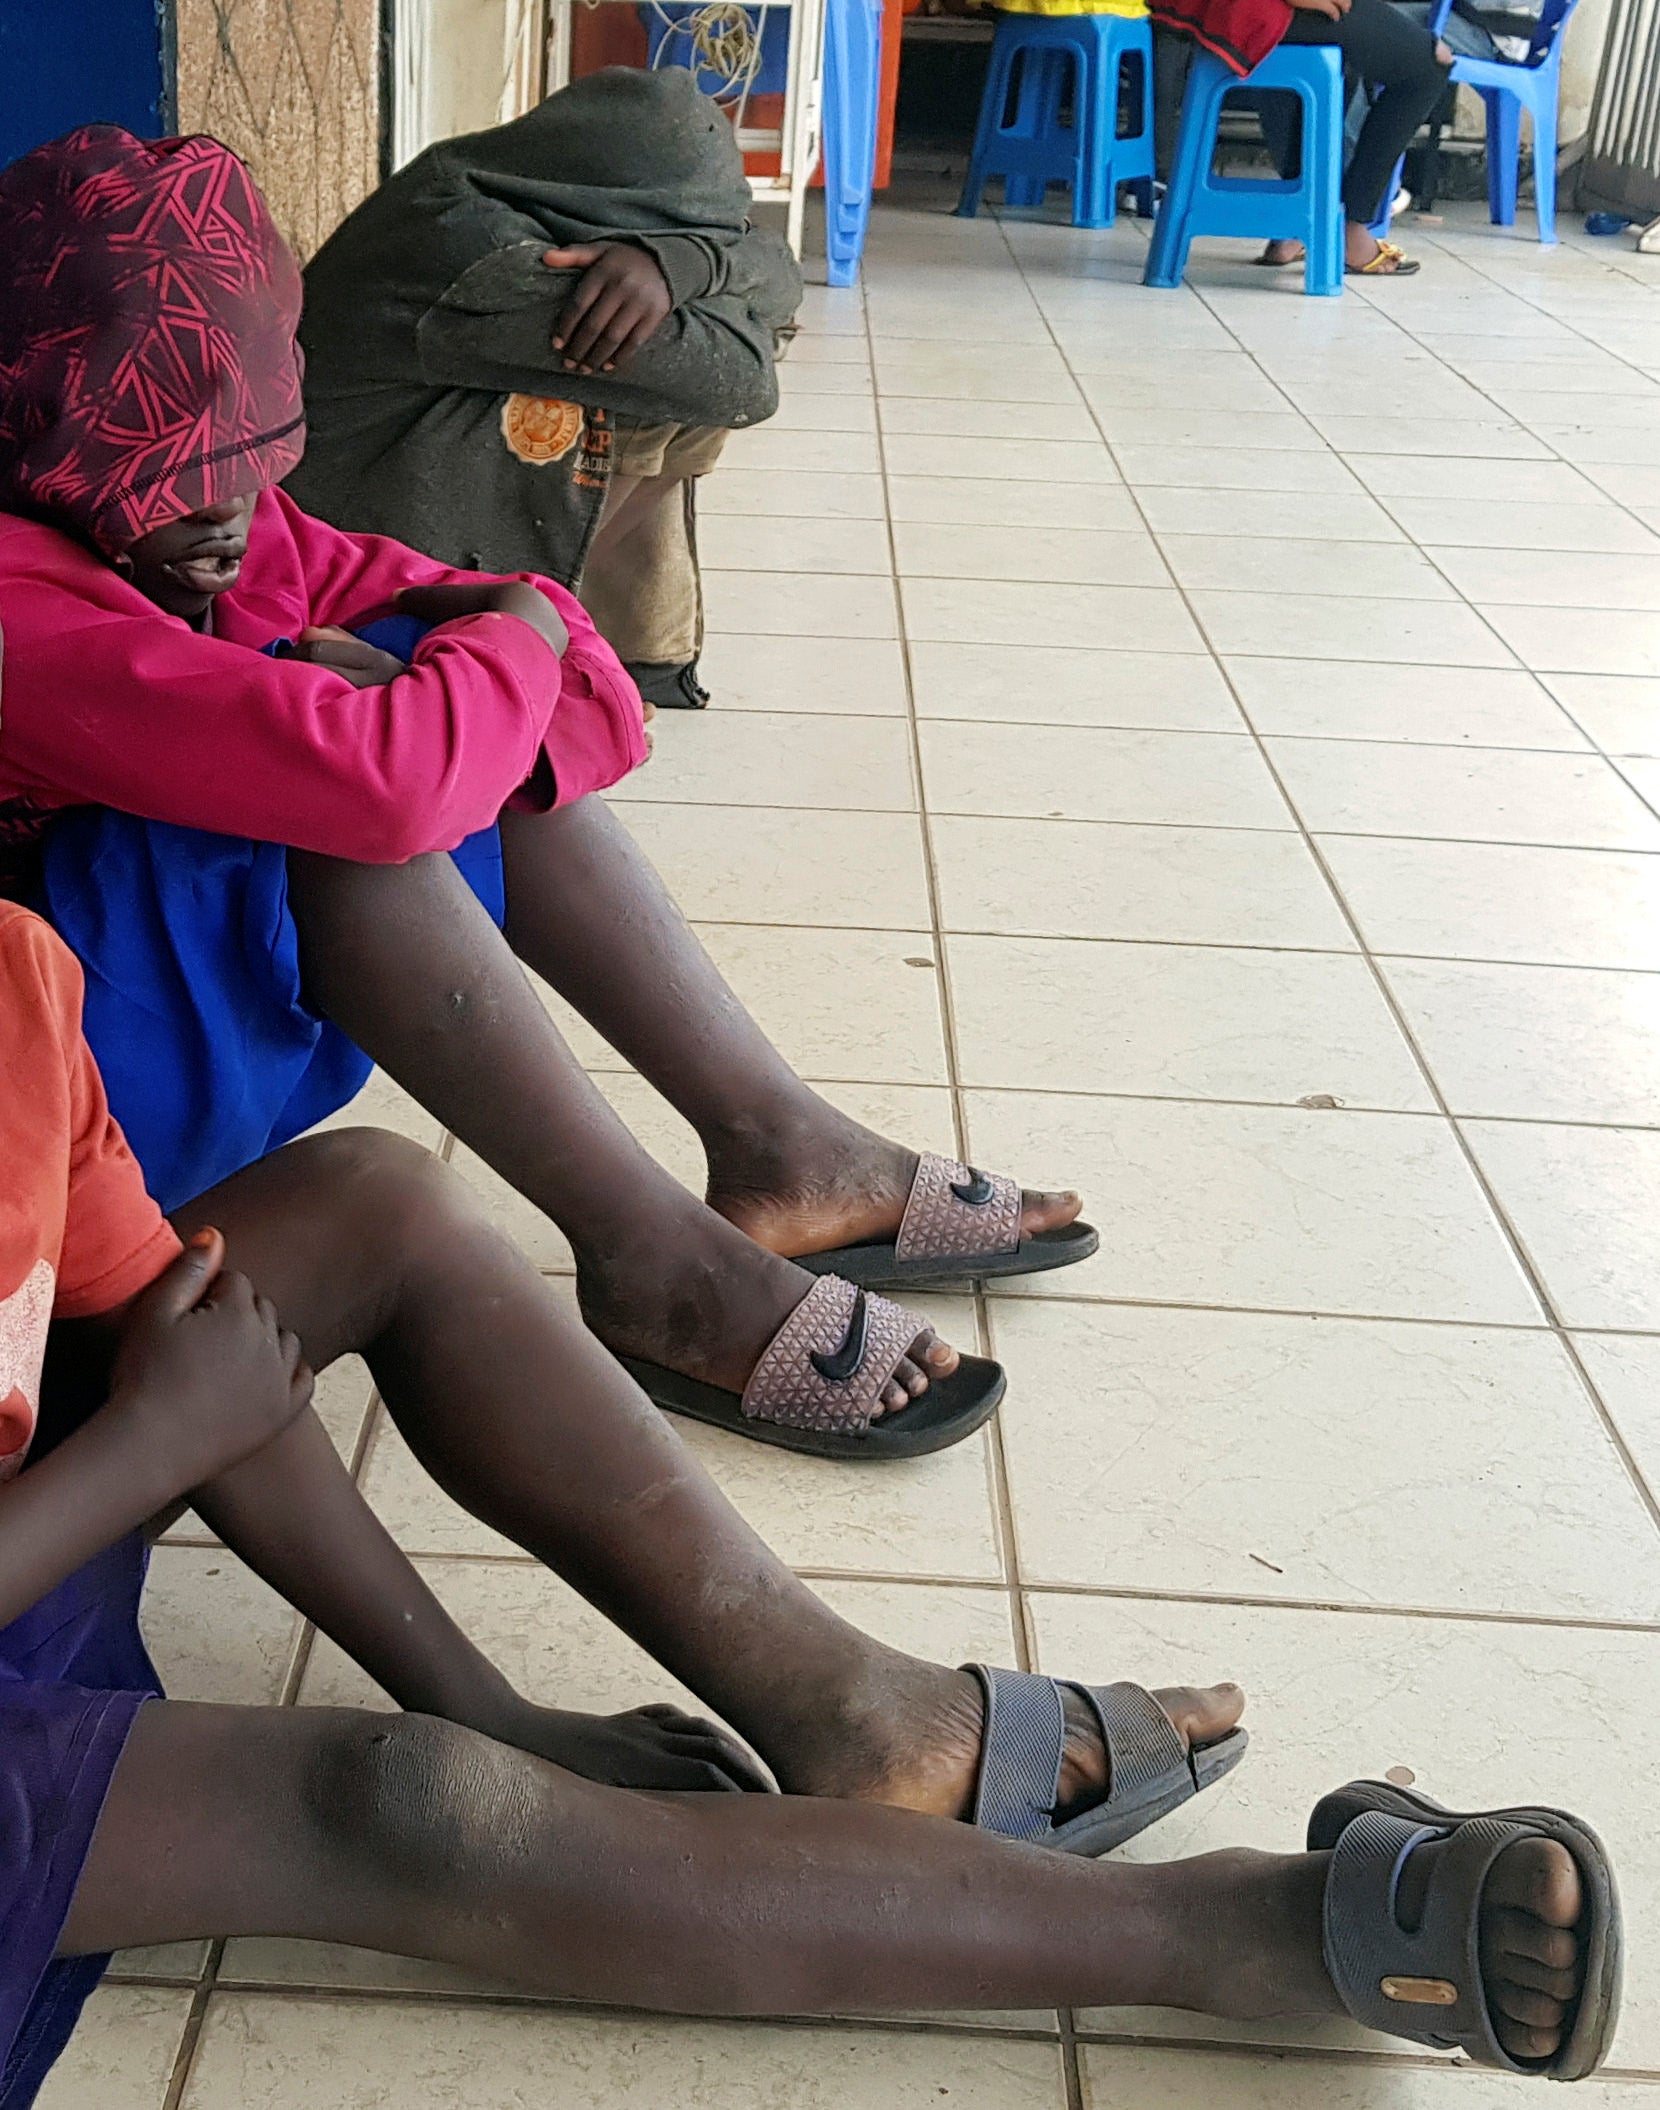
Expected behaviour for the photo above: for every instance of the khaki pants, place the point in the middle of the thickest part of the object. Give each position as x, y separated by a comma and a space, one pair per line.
641, 583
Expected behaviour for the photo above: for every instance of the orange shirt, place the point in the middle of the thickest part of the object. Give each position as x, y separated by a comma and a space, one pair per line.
78, 1233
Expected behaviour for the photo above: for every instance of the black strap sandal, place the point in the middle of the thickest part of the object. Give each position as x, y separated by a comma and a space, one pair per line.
1425, 1983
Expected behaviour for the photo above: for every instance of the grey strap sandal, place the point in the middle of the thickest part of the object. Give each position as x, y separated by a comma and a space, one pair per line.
818, 1384
1150, 1770
960, 1227
1425, 1983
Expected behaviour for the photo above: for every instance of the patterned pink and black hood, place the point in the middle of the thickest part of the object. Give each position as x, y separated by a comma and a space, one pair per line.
147, 315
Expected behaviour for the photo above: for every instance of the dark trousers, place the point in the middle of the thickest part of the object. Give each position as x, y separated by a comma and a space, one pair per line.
1383, 50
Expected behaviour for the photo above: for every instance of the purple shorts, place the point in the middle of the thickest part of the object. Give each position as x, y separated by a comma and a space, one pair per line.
73, 1674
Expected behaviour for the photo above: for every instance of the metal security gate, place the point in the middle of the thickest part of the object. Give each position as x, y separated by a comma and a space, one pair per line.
1621, 169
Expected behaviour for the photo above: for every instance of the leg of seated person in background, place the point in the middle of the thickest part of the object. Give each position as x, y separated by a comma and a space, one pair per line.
1407, 68
641, 583
404, 960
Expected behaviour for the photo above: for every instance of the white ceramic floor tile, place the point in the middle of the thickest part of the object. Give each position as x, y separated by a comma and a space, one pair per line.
809, 413
1265, 563
123, 2052
1496, 901
1642, 773
1335, 516
1579, 578
1002, 502
1430, 474
778, 447
799, 604
1176, 1022
1023, 461
1626, 1371
997, 612
1233, 469
1353, 626
383, 1104
964, 417
1135, 2079
1190, 426
985, 373
1620, 712
1262, 1206
214, 1630
1586, 1205
1473, 794
823, 494
1204, 886
1581, 640
1297, 1445
782, 758
1081, 556
1365, 700
723, 864
1482, 1713
268, 2049
1072, 685
859, 676
1536, 1043
1098, 773
1474, 523
775, 542
1494, 439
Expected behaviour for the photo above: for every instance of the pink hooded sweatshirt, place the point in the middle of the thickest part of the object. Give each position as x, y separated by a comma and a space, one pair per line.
148, 369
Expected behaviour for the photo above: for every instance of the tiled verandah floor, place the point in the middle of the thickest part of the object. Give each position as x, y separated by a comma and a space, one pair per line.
1204, 747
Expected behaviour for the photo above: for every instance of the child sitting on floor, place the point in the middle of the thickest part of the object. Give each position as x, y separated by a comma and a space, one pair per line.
241, 980
479, 1830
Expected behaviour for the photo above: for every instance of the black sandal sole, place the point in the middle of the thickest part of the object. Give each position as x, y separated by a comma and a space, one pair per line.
950, 1410
877, 1266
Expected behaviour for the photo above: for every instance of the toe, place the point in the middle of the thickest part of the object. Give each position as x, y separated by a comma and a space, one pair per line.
910, 1377
1047, 1212
1202, 1713
1524, 2043
937, 1357
1518, 2003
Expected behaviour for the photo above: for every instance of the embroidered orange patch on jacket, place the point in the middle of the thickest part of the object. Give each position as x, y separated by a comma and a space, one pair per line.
540, 428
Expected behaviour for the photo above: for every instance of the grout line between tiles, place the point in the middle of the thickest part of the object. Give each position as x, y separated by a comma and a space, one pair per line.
185, 2058
996, 1454
1520, 1255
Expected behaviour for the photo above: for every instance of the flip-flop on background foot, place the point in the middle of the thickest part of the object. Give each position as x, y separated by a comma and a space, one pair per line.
960, 1227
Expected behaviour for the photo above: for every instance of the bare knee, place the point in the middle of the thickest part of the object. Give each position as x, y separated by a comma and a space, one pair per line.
411, 1801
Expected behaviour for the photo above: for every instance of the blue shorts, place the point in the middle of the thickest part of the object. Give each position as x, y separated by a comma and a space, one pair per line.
209, 1054
74, 1673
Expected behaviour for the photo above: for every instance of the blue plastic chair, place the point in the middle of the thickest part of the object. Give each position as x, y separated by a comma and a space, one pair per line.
852, 87
1021, 137
1507, 87
1306, 208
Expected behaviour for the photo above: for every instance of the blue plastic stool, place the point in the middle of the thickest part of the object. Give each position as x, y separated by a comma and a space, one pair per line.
1020, 136
1306, 208
852, 86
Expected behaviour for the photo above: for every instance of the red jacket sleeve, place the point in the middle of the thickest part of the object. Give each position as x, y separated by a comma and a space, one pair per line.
108, 703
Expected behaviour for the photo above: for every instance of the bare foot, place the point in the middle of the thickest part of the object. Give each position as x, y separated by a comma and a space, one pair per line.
915, 1744
705, 1300
1282, 253
826, 1181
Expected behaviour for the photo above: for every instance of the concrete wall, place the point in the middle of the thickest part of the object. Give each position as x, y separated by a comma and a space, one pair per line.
293, 86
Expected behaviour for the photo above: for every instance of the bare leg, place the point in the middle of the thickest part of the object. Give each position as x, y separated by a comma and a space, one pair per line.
366, 1244
411, 1836
590, 915
403, 958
